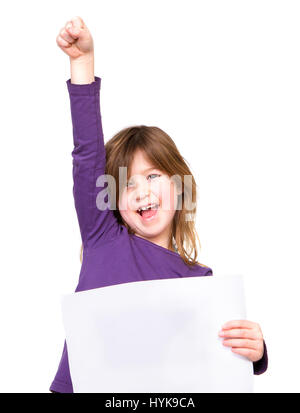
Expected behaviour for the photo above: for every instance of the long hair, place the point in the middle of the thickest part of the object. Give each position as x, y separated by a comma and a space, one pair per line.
161, 151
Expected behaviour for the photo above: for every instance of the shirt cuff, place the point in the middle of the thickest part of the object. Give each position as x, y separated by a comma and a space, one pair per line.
88, 89
260, 366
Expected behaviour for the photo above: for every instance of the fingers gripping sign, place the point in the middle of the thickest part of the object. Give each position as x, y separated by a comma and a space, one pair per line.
244, 337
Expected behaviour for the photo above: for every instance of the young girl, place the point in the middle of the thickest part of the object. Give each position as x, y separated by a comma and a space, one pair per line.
146, 236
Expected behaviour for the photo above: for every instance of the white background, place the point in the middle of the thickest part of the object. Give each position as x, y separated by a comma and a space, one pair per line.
222, 79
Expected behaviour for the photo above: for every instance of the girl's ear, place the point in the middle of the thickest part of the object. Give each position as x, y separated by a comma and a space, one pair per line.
178, 184
178, 191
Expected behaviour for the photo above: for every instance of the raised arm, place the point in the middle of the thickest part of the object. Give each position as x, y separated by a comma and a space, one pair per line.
89, 157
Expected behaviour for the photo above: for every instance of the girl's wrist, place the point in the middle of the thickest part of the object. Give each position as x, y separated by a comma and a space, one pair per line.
82, 69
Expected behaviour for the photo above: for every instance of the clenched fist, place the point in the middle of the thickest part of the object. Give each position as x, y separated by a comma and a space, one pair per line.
75, 39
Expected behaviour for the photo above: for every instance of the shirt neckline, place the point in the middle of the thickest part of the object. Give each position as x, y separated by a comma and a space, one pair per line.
176, 254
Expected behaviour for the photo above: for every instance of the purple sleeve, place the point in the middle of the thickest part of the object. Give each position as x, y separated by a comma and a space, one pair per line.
89, 160
261, 365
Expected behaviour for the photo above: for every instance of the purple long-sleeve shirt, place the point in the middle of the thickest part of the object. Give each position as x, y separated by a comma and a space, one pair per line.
111, 255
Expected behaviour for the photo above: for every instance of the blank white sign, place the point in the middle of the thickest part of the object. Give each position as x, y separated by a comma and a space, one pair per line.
156, 336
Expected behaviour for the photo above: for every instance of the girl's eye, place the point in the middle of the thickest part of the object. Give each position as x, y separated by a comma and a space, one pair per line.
131, 183
153, 175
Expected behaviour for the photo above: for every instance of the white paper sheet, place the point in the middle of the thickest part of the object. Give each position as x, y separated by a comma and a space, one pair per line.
156, 336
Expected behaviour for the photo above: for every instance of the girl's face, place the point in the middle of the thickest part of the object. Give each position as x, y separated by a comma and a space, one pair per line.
148, 185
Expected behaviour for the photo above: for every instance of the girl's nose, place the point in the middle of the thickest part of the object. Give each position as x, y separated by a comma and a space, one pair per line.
143, 191
142, 195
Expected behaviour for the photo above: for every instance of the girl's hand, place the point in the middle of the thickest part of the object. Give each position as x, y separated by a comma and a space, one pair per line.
245, 338
75, 39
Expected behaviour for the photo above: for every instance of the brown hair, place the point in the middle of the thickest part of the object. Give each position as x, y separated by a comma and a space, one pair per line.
162, 152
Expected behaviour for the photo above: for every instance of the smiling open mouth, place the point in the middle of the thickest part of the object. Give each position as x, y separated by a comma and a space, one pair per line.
148, 212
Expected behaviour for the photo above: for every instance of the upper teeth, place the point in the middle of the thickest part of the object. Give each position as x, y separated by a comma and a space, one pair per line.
147, 207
